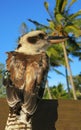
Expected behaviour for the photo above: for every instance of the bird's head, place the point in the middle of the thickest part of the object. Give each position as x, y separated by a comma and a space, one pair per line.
36, 42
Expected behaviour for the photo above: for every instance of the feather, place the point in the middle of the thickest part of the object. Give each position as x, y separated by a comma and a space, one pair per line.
27, 71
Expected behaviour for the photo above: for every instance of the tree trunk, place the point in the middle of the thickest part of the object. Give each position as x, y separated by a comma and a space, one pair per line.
68, 88
49, 93
69, 70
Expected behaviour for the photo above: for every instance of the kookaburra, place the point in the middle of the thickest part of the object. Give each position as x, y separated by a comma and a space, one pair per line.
28, 66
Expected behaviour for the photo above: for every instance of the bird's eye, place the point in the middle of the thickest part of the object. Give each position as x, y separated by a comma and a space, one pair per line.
32, 40
41, 36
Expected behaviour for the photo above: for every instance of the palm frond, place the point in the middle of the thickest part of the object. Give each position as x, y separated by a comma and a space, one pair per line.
46, 5
72, 29
75, 15
73, 44
52, 25
71, 3
77, 22
64, 5
59, 18
77, 54
58, 6
38, 24
58, 72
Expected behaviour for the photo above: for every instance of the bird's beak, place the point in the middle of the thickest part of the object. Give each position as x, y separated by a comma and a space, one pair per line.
56, 39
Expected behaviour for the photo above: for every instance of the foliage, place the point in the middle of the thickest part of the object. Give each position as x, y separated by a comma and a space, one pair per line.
2, 92
57, 92
77, 81
55, 58
1, 69
1, 73
2, 89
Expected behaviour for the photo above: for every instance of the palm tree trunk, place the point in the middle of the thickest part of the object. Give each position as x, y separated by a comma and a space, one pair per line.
69, 70
49, 93
68, 88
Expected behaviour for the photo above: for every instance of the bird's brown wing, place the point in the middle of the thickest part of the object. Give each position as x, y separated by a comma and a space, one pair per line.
36, 73
34, 77
16, 67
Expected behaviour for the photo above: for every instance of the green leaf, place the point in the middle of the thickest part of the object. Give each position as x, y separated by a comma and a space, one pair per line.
58, 6
72, 29
64, 5
46, 5
73, 16
73, 45
38, 24
58, 72
51, 25
71, 3
59, 18
77, 22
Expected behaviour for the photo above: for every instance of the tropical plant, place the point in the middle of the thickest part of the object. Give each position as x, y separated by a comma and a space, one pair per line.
47, 91
1, 73
62, 23
2, 88
77, 82
57, 92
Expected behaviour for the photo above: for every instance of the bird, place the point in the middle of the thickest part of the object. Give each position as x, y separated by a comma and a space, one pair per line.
27, 69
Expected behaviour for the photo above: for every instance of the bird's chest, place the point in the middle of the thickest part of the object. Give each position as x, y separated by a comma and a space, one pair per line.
27, 68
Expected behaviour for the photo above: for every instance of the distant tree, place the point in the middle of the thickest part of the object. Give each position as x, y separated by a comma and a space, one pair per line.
57, 92
77, 81
2, 88
48, 92
1, 73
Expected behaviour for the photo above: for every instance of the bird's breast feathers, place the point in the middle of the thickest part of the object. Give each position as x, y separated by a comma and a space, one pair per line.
27, 70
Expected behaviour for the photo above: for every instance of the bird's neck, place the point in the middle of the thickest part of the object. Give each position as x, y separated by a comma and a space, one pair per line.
29, 51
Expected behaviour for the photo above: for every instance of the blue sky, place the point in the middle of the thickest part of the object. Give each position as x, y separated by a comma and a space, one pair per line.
13, 13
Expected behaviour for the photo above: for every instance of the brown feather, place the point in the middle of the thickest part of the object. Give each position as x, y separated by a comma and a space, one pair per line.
28, 71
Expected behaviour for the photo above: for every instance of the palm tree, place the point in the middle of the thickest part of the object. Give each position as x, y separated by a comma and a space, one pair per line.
59, 92
62, 23
48, 90
67, 25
